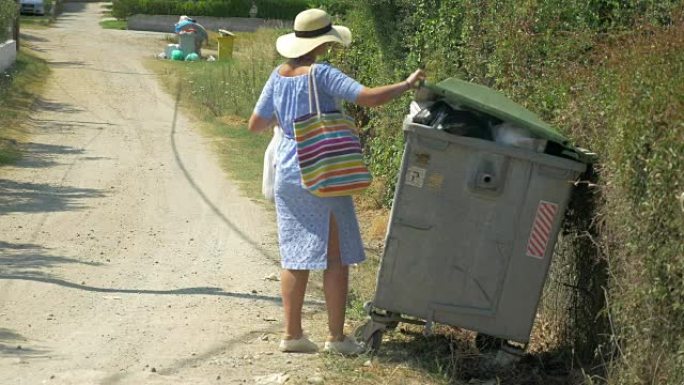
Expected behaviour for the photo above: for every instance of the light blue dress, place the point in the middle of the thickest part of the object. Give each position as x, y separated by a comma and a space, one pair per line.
303, 218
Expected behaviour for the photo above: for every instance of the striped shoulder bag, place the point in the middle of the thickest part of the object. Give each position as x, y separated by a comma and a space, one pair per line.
328, 150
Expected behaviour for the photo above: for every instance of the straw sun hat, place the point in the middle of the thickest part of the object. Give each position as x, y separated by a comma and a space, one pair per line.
311, 29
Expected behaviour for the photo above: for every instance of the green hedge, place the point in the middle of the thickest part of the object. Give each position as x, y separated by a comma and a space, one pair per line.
8, 11
268, 9
610, 75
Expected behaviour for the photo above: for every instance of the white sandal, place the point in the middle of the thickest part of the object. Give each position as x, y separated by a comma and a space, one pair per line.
347, 347
300, 345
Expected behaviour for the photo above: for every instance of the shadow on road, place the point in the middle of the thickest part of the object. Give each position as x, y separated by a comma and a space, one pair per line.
210, 291
29, 260
32, 38
55, 106
81, 65
40, 155
27, 197
16, 246
198, 359
256, 245
67, 125
122, 72
73, 7
15, 345
70, 64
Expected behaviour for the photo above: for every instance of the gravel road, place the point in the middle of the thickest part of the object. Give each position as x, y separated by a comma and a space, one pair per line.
126, 254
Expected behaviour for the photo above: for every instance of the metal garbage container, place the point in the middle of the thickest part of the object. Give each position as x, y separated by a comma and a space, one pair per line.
188, 42
475, 217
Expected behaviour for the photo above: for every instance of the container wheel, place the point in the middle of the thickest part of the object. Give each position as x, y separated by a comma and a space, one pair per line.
370, 333
375, 341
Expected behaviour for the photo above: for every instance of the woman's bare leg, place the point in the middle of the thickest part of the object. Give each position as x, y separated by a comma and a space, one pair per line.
335, 285
293, 287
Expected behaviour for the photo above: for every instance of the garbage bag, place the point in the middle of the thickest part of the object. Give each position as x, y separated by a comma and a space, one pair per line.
509, 134
268, 181
442, 116
177, 54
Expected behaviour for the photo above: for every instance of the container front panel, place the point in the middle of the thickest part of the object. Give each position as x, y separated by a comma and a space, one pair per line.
454, 246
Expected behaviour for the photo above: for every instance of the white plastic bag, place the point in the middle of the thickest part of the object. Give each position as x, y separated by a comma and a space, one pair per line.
511, 135
268, 181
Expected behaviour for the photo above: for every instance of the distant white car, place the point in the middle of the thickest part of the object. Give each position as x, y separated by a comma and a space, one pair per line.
33, 7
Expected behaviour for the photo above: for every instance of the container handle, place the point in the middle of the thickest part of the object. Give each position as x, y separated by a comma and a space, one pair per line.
417, 226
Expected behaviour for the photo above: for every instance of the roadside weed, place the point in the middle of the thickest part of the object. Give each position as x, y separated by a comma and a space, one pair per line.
19, 88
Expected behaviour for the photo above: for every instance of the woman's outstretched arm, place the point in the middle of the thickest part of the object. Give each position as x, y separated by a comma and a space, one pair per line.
377, 96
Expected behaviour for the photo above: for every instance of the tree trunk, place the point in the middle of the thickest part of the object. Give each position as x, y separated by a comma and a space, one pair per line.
15, 29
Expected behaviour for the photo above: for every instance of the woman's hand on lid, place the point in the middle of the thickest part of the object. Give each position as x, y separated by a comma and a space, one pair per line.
376, 96
416, 79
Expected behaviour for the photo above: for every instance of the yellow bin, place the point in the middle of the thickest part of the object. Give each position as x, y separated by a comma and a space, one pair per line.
226, 40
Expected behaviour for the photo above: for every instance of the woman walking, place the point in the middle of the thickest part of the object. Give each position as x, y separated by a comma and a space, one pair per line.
314, 233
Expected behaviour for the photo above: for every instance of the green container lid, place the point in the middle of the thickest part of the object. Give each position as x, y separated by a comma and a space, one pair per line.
494, 103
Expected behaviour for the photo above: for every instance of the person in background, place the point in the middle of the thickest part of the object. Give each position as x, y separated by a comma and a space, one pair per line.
186, 25
183, 21
314, 233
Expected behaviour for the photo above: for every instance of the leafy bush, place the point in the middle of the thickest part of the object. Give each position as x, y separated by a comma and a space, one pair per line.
8, 11
268, 9
607, 73
643, 89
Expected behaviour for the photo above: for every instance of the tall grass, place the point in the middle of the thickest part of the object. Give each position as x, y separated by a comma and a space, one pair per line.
19, 88
223, 95
609, 75
644, 91
8, 11
623, 261
232, 88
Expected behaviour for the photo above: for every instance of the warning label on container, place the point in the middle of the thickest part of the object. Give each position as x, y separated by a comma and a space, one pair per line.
541, 229
415, 176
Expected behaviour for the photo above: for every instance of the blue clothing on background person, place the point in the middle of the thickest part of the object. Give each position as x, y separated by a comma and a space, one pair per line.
183, 23
189, 27
303, 218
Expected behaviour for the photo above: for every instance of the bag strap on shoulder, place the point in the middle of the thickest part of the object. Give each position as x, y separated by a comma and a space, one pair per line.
313, 91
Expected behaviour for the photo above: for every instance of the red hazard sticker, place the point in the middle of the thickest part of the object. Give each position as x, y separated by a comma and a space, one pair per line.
541, 229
